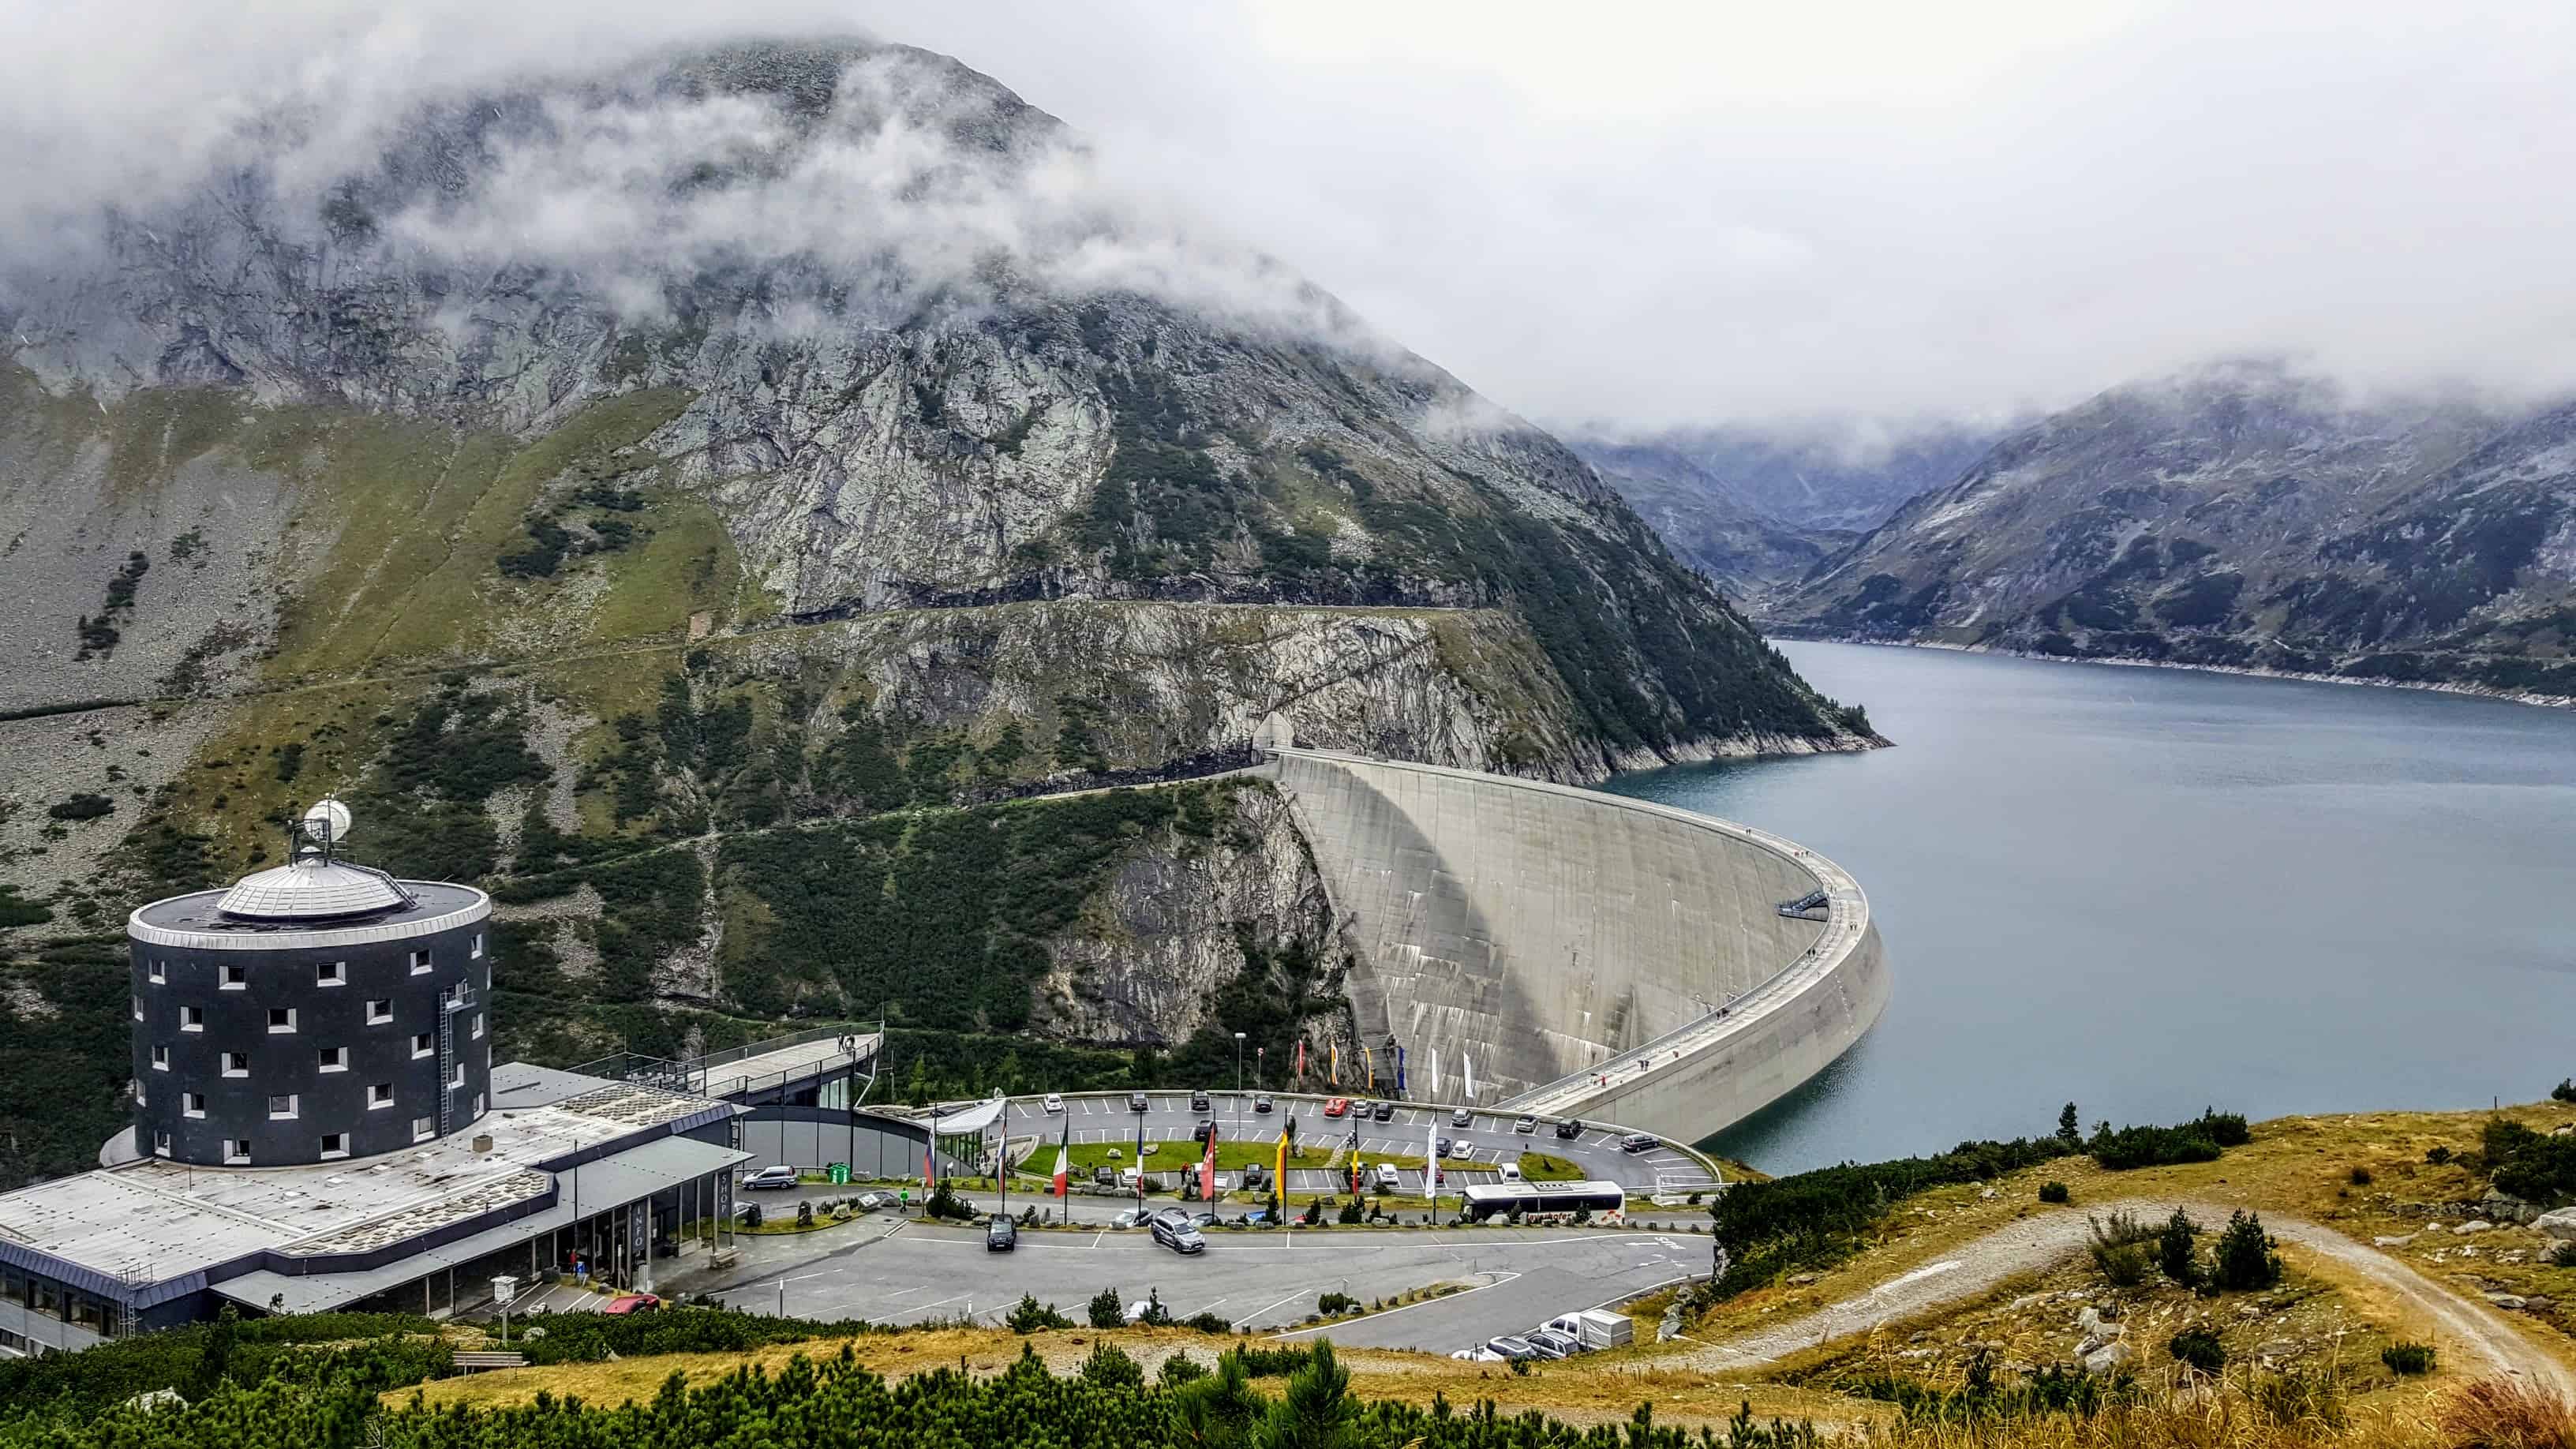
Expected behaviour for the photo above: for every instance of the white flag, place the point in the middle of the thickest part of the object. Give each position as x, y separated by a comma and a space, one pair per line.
1471, 1078
1435, 1075
1431, 1159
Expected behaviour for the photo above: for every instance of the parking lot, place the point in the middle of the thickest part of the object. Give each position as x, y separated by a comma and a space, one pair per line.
905, 1271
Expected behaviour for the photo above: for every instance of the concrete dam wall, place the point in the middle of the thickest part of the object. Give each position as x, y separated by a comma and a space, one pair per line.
1560, 937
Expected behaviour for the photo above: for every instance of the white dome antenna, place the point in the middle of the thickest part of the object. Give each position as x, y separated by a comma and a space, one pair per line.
328, 821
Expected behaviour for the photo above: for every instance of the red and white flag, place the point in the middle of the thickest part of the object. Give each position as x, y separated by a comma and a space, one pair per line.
1064, 1161
1207, 1168
930, 1165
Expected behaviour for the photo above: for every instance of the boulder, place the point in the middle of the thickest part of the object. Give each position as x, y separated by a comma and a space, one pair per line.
2473, 1225
2559, 1224
2508, 1300
2399, 1241
2089, 1320
2504, 1207
2109, 1359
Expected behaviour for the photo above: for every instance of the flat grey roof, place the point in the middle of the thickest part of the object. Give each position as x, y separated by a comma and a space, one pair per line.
160, 1220
607, 1183
192, 922
785, 1064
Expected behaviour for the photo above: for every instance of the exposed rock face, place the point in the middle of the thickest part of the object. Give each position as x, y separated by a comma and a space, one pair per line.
2240, 517
599, 480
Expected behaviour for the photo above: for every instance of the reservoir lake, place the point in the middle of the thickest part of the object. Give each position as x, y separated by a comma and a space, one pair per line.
2151, 891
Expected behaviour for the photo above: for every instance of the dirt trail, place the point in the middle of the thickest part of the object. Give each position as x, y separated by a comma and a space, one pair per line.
2472, 1334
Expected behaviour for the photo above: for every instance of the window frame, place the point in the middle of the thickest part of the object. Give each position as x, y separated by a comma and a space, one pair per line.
339, 973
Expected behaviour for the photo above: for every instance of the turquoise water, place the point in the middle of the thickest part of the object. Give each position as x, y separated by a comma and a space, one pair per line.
2152, 891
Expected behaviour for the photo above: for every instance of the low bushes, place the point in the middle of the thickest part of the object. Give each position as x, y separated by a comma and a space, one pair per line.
2054, 1192
2199, 1140
2408, 1358
2528, 1165
2199, 1347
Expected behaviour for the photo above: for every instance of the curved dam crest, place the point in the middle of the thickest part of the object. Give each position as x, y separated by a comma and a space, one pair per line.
1558, 936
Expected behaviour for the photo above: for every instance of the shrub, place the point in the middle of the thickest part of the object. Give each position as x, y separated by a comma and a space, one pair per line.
2529, 1166
2199, 1140
1031, 1315
1180, 1369
751, 1215
804, 1215
1155, 1314
81, 806
1107, 1309
1204, 1322
2294, 1398
2245, 1256
2360, 1177
1109, 1368
2437, 1155
2117, 1251
2562, 1255
2174, 1244
2408, 1358
1332, 1303
2054, 1192
2565, 1091
2200, 1348
1350, 1213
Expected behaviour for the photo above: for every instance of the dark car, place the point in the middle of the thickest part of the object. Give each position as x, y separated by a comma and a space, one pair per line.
1001, 1235
1640, 1142
1136, 1102
1383, 1112
1199, 1100
1261, 1104
1462, 1118
1202, 1133
1444, 1148
1569, 1129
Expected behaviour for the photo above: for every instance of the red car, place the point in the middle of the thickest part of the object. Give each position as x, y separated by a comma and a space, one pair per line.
632, 1303
1337, 1106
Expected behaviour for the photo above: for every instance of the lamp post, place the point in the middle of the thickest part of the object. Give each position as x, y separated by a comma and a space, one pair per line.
1238, 1067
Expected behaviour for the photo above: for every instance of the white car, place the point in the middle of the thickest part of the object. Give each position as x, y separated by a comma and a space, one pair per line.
770, 1177
1387, 1180
1054, 1102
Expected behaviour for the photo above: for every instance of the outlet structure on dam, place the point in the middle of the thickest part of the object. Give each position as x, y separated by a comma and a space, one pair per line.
1593, 955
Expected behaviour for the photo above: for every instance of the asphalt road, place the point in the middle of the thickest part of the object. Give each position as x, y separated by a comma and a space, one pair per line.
1169, 1118
904, 1271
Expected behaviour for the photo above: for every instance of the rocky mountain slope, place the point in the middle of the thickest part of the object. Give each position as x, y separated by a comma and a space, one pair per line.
2242, 517
776, 455
1755, 512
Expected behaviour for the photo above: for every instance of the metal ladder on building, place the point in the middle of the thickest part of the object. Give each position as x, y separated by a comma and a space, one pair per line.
450, 1001
130, 1281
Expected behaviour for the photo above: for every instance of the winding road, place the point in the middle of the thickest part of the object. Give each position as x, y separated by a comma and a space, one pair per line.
2472, 1333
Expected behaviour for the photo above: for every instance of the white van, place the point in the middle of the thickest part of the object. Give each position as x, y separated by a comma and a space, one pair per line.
1511, 1171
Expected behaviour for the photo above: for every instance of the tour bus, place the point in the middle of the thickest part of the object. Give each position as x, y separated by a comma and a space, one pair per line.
1606, 1201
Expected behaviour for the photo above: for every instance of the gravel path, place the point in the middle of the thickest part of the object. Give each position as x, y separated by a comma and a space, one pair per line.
2471, 1333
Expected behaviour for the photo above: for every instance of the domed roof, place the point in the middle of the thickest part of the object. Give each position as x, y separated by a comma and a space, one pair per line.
311, 887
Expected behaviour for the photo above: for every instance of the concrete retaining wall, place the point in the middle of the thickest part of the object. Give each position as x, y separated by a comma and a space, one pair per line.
1556, 936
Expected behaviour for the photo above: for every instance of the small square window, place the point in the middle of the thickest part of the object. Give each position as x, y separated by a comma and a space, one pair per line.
420, 963
478, 1026
193, 1105
281, 1106
459, 1079
161, 1143
478, 1104
236, 976
158, 973
281, 1019
423, 1043
335, 1144
236, 1151
236, 1064
380, 1011
331, 973
192, 1018
478, 946
138, 1092
160, 1057
423, 1128
380, 1095
333, 1059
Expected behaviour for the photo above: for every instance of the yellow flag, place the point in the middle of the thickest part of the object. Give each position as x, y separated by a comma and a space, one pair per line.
1280, 1177
1370, 1059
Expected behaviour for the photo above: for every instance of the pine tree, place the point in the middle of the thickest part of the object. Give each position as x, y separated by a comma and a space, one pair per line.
2245, 1256
1317, 1412
2069, 1127
2174, 1249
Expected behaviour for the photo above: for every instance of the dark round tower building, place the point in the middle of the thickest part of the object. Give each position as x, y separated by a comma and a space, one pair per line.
315, 1011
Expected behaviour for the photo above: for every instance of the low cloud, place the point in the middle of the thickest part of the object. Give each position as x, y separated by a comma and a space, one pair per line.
1872, 217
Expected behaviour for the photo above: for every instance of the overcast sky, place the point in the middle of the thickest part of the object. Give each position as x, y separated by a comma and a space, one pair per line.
1640, 215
